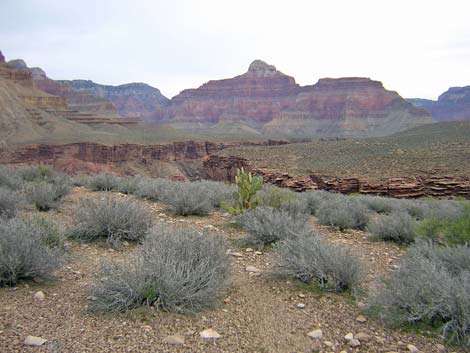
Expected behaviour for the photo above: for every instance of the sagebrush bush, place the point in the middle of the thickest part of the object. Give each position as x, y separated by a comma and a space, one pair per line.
432, 286
447, 210
154, 189
309, 258
379, 204
343, 212
174, 269
9, 179
41, 195
415, 208
396, 226
457, 231
24, 254
50, 233
188, 198
267, 225
9, 201
103, 182
35, 173
314, 199
273, 196
111, 220
128, 185
216, 191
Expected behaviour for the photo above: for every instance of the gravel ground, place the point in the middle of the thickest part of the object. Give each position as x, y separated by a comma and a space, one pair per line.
259, 314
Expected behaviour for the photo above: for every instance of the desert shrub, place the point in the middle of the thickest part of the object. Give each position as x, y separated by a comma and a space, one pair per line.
309, 258
79, 180
175, 269
379, 204
9, 201
9, 179
186, 198
23, 253
444, 209
273, 196
216, 191
154, 189
314, 198
430, 228
268, 225
62, 185
35, 173
343, 212
128, 185
432, 286
415, 208
458, 230
397, 226
103, 182
110, 220
246, 195
41, 195
50, 233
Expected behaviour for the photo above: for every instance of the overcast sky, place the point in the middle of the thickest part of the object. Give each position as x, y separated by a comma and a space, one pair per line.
418, 48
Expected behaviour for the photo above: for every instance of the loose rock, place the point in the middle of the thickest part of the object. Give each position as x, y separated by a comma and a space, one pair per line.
361, 319
174, 339
252, 269
39, 296
412, 348
34, 341
354, 343
317, 334
349, 337
210, 334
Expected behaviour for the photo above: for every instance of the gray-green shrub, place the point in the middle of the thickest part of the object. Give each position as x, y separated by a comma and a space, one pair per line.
111, 220
24, 254
41, 195
267, 225
128, 185
9, 178
314, 199
396, 226
37, 173
309, 258
175, 269
153, 189
103, 182
379, 204
188, 198
216, 191
9, 201
431, 286
343, 212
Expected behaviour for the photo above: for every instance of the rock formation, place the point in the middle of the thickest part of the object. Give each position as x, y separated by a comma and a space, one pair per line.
223, 168
267, 100
450, 106
130, 100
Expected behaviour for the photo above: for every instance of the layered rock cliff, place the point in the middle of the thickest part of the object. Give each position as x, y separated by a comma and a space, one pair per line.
130, 100
452, 105
271, 102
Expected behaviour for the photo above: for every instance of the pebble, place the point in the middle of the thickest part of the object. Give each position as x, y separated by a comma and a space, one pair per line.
363, 337
174, 339
249, 250
210, 334
440, 348
236, 254
301, 305
412, 348
354, 343
252, 269
328, 343
361, 319
39, 296
34, 341
301, 295
349, 337
258, 253
317, 334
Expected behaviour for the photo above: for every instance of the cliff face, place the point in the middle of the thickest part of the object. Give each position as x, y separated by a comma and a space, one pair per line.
130, 100
452, 105
269, 101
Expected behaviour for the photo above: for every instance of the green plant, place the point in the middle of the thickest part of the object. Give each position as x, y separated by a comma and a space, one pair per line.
309, 258
175, 269
35, 174
9, 201
458, 230
49, 232
103, 182
431, 228
343, 212
188, 198
245, 197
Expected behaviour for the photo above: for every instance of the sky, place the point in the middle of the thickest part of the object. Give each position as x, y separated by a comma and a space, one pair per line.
417, 48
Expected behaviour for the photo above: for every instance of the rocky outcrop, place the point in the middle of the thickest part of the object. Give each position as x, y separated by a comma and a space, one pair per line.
223, 168
130, 100
453, 105
267, 100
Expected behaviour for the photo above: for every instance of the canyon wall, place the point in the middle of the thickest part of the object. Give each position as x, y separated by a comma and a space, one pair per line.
224, 168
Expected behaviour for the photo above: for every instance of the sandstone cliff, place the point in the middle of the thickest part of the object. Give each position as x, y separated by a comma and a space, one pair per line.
267, 100
452, 105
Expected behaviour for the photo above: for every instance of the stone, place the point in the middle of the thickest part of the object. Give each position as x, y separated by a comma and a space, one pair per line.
362, 337
440, 348
252, 269
412, 348
349, 337
328, 343
301, 305
210, 334
354, 343
301, 295
316, 334
236, 254
39, 296
34, 341
361, 319
174, 339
